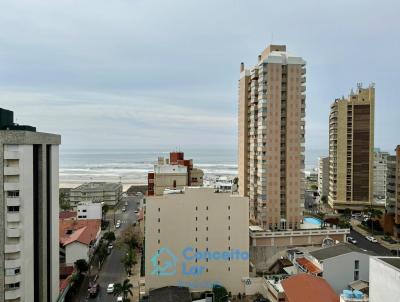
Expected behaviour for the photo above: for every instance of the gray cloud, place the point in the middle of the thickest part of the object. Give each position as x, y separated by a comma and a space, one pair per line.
164, 73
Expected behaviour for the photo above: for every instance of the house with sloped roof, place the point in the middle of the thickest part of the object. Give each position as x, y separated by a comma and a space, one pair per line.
78, 239
340, 265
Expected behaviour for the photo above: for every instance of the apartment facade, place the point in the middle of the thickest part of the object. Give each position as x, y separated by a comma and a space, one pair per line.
397, 207
380, 174
108, 192
391, 181
271, 138
29, 268
351, 145
173, 173
89, 210
323, 176
195, 239
384, 276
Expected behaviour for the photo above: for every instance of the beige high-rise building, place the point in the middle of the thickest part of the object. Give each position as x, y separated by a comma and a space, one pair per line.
397, 208
351, 150
271, 137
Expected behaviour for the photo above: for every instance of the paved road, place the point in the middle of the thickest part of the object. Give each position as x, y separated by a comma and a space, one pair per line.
369, 246
113, 271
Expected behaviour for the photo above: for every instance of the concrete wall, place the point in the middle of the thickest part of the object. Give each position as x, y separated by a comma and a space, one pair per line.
75, 251
339, 271
384, 282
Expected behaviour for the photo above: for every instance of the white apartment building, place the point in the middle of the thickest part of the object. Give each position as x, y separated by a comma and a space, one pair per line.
196, 239
323, 176
339, 265
107, 192
29, 267
380, 175
384, 279
89, 210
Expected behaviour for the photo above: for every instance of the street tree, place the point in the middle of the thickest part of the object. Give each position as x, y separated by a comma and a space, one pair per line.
124, 289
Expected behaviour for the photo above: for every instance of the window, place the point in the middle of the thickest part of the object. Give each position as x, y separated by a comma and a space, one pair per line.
207, 208
12, 285
356, 275
159, 219
13, 271
159, 209
356, 264
158, 231
13, 209
12, 194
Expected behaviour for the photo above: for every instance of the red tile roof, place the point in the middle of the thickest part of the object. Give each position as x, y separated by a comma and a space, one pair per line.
67, 214
308, 288
83, 231
308, 265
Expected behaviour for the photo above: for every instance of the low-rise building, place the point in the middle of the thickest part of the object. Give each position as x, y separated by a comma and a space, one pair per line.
308, 288
89, 210
174, 172
195, 239
97, 192
323, 176
340, 265
384, 279
78, 239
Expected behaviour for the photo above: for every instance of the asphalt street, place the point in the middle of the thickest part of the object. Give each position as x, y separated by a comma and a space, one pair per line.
369, 246
113, 271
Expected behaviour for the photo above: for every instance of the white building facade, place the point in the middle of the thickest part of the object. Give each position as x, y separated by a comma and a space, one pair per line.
29, 254
323, 176
109, 193
196, 239
89, 210
380, 174
384, 279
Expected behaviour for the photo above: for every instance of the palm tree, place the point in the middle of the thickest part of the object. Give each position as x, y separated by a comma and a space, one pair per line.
124, 289
373, 214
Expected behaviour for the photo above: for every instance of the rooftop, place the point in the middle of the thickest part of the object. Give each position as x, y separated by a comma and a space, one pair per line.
308, 288
308, 265
83, 231
67, 215
393, 261
97, 187
338, 250
170, 294
7, 122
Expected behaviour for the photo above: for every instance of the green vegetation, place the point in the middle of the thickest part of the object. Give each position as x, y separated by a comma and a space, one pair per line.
124, 289
324, 199
314, 187
373, 215
110, 236
220, 293
64, 200
81, 266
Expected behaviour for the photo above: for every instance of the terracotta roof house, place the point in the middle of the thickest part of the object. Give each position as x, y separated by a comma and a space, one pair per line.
308, 288
67, 215
78, 239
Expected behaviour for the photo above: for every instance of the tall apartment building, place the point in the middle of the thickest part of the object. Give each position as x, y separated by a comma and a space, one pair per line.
173, 173
271, 137
196, 239
323, 176
391, 181
380, 174
108, 192
397, 207
29, 248
351, 146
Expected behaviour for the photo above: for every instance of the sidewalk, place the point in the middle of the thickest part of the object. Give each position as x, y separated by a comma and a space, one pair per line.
135, 279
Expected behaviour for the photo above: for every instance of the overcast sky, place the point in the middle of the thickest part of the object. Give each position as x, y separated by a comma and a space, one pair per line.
164, 73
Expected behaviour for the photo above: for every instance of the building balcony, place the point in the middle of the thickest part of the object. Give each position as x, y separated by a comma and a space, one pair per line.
11, 186
13, 217
13, 233
13, 294
12, 155
13, 279
11, 170
12, 263
13, 201
12, 248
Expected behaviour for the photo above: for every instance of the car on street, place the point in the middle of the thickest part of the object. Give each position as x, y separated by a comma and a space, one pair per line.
136, 211
126, 203
120, 299
93, 289
139, 194
371, 239
118, 225
351, 240
110, 288
110, 246
124, 209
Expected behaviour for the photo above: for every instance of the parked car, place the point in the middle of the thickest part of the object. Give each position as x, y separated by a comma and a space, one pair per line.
93, 289
120, 299
139, 194
371, 239
351, 240
124, 209
118, 225
110, 246
390, 240
126, 203
110, 288
136, 211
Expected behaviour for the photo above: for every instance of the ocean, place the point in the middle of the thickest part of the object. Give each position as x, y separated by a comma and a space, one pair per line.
130, 166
